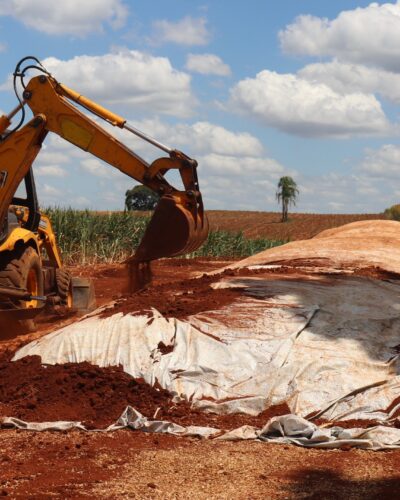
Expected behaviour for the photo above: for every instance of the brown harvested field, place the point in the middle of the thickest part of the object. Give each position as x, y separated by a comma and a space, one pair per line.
268, 225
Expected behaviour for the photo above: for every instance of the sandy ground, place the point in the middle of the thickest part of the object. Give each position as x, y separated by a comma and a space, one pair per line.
137, 465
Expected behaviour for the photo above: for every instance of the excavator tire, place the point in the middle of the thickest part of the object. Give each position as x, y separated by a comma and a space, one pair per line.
22, 269
64, 287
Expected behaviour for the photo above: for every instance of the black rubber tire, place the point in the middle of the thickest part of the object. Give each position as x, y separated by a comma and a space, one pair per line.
14, 271
64, 285
15, 268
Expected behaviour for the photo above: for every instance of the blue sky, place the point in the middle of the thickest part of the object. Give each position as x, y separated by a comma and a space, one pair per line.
253, 90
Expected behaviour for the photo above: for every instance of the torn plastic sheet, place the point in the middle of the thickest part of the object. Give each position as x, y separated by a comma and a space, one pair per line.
320, 346
289, 429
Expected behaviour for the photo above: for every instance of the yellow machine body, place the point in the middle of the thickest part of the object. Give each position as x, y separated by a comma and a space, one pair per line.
179, 224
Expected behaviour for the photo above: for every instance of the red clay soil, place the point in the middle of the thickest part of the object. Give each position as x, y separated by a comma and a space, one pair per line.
347, 424
97, 396
179, 300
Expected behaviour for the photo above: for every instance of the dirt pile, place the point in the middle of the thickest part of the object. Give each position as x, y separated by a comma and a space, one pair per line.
371, 243
179, 299
97, 396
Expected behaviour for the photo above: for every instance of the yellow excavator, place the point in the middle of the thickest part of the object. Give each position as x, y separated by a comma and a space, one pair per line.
31, 269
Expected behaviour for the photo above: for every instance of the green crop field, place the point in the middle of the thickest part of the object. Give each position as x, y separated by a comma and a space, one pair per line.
87, 237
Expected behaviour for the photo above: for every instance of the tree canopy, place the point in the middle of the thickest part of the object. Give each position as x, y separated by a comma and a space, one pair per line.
393, 212
141, 198
286, 194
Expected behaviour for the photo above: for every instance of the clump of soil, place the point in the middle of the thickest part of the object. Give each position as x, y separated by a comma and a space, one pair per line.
97, 396
179, 300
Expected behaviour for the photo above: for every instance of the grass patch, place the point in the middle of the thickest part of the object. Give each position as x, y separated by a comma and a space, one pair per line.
87, 237
227, 244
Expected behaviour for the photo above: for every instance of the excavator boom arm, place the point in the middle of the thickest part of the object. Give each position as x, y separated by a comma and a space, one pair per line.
47, 97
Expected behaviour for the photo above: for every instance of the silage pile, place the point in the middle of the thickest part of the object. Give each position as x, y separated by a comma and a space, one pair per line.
364, 244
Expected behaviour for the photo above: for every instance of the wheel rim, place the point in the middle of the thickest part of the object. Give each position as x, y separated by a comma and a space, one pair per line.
32, 285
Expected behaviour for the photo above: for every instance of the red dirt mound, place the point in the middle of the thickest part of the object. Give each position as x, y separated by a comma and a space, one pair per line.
178, 300
97, 396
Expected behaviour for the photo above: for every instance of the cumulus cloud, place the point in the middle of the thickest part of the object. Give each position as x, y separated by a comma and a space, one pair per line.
128, 78
232, 164
98, 168
367, 35
187, 31
50, 191
345, 78
367, 187
349, 192
310, 109
196, 139
383, 162
216, 164
207, 64
50, 171
200, 138
72, 17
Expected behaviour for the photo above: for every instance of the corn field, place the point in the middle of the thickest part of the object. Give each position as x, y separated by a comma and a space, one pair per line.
87, 237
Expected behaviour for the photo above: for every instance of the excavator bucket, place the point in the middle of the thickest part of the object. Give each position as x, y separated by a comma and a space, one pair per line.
178, 226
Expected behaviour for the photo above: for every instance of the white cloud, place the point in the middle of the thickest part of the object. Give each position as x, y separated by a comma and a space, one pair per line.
232, 166
72, 17
127, 78
351, 192
98, 168
216, 164
368, 187
80, 201
50, 171
207, 64
195, 139
305, 108
367, 35
345, 78
383, 162
48, 156
50, 191
187, 31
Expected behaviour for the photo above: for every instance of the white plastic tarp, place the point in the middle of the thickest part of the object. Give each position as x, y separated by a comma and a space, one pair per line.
286, 429
320, 346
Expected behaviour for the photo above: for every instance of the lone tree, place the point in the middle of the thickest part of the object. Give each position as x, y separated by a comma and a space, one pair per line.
140, 198
286, 194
